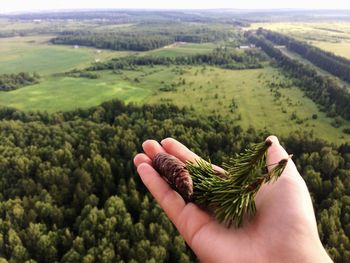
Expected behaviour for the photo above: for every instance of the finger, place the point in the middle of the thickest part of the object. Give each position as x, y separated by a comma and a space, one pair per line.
181, 152
276, 153
151, 148
188, 219
290, 189
141, 158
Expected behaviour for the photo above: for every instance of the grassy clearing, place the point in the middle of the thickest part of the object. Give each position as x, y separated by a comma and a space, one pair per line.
36, 54
214, 89
207, 89
64, 93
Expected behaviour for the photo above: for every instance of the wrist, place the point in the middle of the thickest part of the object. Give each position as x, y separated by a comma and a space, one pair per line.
307, 251
321, 255
315, 252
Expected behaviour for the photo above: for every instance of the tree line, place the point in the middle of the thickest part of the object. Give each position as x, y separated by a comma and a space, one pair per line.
222, 57
323, 90
336, 65
144, 36
114, 42
69, 191
15, 81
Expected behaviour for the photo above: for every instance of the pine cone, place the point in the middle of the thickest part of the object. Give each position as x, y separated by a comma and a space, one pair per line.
175, 173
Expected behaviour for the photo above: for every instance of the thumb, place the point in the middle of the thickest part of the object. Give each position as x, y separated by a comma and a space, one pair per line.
276, 153
292, 186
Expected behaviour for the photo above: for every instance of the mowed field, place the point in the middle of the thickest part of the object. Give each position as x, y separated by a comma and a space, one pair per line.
66, 93
329, 36
34, 53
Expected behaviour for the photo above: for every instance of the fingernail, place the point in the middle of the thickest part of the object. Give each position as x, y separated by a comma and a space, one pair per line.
273, 139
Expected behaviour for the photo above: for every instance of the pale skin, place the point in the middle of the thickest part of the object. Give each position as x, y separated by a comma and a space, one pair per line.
283, 230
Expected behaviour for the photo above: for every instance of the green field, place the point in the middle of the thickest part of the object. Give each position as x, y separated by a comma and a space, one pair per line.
207, 89
65, 93
213, 89
34, 53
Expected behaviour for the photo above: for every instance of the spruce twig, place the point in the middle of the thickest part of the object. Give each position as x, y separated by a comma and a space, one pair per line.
229, 201
243, 165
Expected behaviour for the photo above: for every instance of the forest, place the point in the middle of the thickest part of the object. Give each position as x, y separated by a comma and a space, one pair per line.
15, 81
70, 193
145, 36
115, 42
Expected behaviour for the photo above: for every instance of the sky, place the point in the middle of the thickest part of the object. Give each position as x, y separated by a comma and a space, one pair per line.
34, 5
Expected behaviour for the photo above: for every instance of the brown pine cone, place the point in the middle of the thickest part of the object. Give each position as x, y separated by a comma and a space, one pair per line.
175, 173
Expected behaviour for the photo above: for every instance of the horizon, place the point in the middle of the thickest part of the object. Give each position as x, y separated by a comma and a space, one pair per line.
30, 6
247, 10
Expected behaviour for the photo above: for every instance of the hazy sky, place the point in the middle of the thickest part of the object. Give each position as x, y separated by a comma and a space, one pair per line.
25, 5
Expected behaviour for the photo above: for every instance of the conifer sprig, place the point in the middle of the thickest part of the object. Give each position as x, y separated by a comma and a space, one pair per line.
244, 166
231, 198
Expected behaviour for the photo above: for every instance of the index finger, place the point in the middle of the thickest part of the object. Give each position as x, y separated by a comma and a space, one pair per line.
184, 154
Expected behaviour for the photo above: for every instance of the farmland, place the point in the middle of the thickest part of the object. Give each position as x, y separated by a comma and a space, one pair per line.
34, 53
330, 36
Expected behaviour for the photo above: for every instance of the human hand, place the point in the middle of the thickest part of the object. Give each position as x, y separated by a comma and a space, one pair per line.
283, 230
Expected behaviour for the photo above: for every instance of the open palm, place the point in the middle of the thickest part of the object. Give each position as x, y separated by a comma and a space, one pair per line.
283, 230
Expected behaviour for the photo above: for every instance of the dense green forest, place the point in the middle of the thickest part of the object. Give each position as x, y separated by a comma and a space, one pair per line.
115, 42
69, 191
146, 36
14, 81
